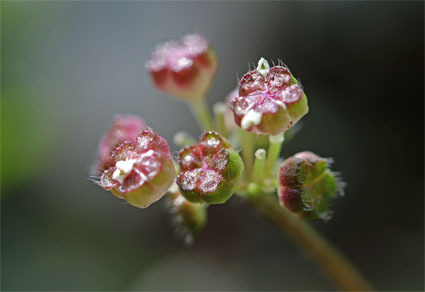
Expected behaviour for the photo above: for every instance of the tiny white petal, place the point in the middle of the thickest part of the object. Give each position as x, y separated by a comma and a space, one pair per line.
118, 176
124, 167
252, 118
263, 67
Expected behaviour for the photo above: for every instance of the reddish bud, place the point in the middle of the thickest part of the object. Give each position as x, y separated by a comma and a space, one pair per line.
142, 171
185, 68
209, 170
306, 185
269, 100
123, 128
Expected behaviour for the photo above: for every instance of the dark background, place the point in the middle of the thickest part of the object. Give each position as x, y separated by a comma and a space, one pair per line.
68, 67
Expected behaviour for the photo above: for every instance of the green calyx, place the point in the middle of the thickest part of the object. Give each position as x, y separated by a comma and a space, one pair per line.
306, 185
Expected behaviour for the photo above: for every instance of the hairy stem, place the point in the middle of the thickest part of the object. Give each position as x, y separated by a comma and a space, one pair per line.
342, 273
201, 112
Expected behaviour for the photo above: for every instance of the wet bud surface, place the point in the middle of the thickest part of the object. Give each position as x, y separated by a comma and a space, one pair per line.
142, 171
123, 128
269, 100
209, 170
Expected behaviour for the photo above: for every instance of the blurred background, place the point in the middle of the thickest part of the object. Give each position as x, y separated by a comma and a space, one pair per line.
68, 67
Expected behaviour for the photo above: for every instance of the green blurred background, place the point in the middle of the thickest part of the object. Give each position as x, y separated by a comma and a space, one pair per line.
68, 67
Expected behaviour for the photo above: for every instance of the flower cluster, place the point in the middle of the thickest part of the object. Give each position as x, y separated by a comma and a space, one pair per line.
137, 166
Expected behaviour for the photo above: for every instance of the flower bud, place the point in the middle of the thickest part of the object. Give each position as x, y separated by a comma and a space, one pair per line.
209, 171
269, 100
306, 185
142, 171
184, 69
123, 128
188, 218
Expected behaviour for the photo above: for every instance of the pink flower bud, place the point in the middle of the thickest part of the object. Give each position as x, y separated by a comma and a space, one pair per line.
141, 171
123, 128
185, 68
306, 185
269, 100
209, 171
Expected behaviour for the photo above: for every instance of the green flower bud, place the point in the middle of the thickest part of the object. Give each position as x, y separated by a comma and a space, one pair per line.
209, 171
306, 185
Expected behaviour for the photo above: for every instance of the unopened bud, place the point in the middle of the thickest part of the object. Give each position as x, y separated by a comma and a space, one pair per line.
306, 185
209, 170
142, 171
269, 100
123, 128
185, 68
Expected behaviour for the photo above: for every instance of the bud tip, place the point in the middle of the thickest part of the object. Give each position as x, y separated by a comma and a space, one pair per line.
263, 67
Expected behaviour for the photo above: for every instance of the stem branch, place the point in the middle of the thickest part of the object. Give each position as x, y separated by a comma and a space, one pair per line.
259, 162
219, 111
201, 112
344, 275
247, 145
275, 145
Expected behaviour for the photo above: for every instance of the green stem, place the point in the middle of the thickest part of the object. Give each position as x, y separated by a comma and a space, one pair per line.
201, 112
219, 111
260, 161
247, 145
343, 274
273, 153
